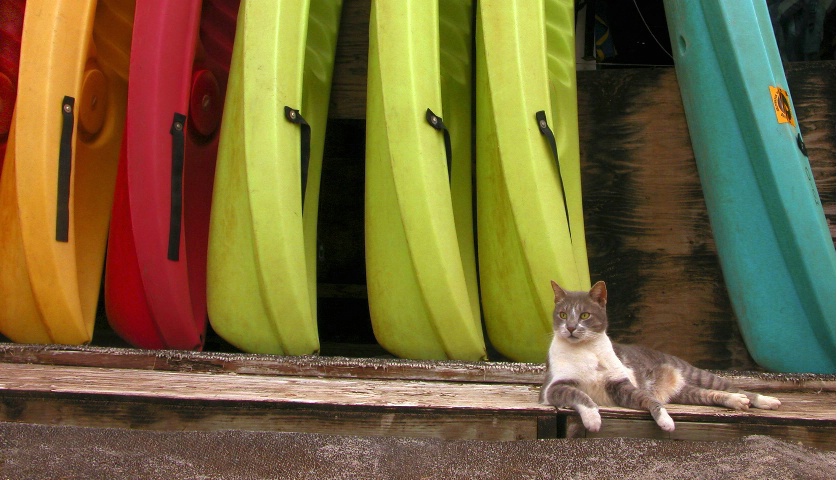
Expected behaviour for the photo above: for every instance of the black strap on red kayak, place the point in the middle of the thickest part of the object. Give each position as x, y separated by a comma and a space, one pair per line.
178, 126
436, 122
543, 126
65, 165
293, 116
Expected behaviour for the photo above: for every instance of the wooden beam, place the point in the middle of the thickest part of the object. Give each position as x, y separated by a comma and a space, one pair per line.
342, 367
167, 400
175, 400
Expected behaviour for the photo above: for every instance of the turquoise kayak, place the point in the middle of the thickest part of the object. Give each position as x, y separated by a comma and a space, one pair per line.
774, 245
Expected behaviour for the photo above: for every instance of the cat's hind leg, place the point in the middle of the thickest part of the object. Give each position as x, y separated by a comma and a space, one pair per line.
692, 395
702, 379
625, 394
763, 401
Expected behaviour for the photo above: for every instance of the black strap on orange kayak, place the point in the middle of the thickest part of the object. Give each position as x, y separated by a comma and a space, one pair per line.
65, 166
294, 117
436, 122
178, 126
543, 126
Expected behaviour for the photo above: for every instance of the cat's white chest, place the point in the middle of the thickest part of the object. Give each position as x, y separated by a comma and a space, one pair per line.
591, 365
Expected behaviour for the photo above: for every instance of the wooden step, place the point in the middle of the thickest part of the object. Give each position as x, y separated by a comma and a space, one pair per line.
165, 400
168, 390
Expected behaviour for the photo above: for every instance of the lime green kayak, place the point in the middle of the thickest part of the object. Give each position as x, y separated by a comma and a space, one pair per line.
529, 210
420, 261
261, 270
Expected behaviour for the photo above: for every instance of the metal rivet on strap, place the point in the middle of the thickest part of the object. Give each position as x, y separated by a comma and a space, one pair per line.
68, 108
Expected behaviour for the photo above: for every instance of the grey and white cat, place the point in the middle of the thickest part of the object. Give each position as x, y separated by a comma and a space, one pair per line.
585, 369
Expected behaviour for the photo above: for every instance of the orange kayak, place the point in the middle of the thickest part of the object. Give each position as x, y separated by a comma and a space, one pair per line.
60, 168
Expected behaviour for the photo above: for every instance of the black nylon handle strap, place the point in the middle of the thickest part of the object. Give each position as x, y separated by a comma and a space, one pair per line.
65, 166
178, 126
294, 117
436, 122
543, 126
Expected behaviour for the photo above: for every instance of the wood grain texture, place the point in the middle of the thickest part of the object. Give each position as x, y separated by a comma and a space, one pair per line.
348, 89
648, 230
812, 86
174, 400
805, 417
295, 391
343, 367
111, 412
817, 437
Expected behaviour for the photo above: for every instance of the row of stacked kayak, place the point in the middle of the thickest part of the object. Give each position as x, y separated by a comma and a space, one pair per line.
185, 137
118, 130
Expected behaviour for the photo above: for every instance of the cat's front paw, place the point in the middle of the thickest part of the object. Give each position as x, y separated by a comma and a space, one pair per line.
590, 418
765, 402
664, 420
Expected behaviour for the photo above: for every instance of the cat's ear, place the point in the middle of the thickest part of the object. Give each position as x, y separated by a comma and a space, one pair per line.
559, 292
599, 293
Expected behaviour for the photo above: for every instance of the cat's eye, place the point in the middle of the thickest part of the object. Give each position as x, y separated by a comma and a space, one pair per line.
585, 316
562, 314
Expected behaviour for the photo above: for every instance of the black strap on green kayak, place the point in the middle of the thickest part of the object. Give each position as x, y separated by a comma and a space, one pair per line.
294, 117
178, 126
436, 122
543, 126
65, 165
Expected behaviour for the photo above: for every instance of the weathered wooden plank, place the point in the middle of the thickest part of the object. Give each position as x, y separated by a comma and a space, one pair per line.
798, 408
298, 391
257, 364
812, 85
801, 408
175, 400
805, 417
342, 367
117, 412
818, 437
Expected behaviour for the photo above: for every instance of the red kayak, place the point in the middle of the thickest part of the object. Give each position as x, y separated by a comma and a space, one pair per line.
11, 29
155, 275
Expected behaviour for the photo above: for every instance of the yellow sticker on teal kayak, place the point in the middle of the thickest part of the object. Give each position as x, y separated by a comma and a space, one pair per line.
781, 103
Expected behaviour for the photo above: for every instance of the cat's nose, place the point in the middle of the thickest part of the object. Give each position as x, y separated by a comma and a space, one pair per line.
571, 329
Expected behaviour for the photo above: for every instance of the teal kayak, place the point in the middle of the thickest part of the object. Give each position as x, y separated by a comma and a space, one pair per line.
773, 242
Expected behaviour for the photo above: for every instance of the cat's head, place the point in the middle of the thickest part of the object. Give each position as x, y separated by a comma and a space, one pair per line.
580, 316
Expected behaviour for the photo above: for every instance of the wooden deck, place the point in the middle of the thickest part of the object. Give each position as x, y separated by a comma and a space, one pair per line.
167, 390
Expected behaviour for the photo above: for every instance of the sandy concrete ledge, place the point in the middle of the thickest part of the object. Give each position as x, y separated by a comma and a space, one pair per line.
38, 451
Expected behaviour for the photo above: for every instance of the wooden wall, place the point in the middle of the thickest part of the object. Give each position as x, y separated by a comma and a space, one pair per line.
647, 226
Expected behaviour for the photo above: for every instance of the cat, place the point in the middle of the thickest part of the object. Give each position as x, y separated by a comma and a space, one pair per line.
585, 369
